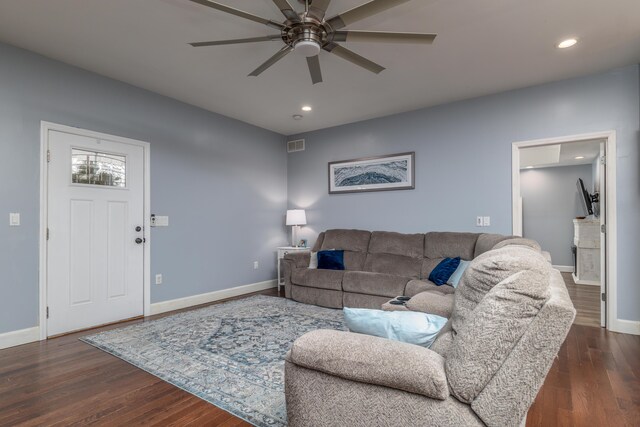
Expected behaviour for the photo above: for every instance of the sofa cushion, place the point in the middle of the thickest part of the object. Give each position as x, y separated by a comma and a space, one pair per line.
397, 265
349, 240
428, 264
378, 284
385, 242
317, 278
414, 287
486, 242
354, 260
496, 325
485, 272
353, 300
314, 296
450, 245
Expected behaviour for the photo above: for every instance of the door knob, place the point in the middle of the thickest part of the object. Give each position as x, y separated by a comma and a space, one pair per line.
138, 228
139, 240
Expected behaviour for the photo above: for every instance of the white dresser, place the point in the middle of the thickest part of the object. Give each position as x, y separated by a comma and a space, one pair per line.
586, 238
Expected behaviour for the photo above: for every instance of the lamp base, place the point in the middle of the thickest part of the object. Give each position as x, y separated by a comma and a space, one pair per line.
294, 235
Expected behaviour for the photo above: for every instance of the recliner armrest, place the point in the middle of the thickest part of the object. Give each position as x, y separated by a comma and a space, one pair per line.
372, 360
299, 259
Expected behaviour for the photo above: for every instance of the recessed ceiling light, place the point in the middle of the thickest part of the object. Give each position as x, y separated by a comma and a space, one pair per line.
307, 108
567, 43
297, 117
579, 157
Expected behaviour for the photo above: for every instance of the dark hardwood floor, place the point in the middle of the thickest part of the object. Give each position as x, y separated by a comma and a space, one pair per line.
586, 300
595, 381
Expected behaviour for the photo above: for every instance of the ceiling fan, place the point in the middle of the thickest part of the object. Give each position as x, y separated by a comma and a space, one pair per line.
309, 32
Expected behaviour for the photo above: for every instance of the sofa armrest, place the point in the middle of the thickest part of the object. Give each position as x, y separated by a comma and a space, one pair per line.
432, 302
299, 259
372, 360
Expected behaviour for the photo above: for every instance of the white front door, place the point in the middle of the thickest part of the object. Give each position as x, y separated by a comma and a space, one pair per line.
95, 256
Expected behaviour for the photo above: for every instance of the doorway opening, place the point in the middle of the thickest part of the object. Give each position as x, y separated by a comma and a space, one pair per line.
564, 197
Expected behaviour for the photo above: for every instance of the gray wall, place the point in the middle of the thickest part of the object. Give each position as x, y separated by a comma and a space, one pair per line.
463, 162
221, 181
550, 202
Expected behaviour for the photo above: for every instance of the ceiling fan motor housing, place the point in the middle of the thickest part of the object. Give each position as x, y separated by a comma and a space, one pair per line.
306, 37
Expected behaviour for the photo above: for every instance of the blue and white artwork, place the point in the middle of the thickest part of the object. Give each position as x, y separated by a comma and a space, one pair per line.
392, 172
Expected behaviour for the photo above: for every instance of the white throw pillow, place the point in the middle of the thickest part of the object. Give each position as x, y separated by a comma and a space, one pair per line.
313, 262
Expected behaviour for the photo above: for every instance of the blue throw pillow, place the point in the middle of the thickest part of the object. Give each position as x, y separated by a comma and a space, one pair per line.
457, 275
444, 270
412, 327
331, 260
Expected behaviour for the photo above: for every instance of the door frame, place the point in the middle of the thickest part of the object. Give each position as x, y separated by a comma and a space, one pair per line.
45, 127
611, 278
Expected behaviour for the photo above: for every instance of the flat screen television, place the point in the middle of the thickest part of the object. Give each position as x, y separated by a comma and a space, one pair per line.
585, 197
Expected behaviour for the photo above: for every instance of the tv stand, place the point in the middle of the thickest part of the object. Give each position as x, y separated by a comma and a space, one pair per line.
586, 238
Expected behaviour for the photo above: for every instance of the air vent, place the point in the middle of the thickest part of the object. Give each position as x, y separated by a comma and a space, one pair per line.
297, 145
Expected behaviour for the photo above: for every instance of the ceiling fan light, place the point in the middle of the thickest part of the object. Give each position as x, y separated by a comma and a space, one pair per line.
307, 48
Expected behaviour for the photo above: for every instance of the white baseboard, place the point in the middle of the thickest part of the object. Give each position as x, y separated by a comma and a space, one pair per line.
22, 336
564, 268
177, 304
625, 327
585, 282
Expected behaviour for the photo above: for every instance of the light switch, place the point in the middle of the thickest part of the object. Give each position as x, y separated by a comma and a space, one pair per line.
479, 221
159, 221
14, 219
486, 221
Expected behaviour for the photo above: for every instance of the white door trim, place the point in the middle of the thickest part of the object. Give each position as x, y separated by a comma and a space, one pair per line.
613, 323
45, 127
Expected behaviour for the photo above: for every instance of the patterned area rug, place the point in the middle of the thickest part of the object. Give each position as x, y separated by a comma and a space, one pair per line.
231, 354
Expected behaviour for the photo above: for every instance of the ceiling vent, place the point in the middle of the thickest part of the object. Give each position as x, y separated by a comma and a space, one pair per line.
297, 145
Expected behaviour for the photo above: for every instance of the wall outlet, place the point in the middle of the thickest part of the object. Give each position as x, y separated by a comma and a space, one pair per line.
14, 219
479, 221
255, 265
486, 221
158, 279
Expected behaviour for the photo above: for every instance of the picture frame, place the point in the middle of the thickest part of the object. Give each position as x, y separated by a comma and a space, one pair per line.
380, 173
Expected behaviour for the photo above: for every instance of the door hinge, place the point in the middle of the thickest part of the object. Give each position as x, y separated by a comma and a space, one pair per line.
603, 228
47, 233
604, 296
603, 160
48, 156
47, 312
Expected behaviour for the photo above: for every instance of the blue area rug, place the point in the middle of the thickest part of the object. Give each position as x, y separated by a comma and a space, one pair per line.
230, 354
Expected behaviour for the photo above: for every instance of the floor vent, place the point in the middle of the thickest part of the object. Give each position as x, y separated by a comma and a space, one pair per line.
297, 145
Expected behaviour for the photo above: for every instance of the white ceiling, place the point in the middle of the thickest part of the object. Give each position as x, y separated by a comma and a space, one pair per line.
560, 154
482, 47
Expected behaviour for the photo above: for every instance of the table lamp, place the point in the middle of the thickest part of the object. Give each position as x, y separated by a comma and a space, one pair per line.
296, 218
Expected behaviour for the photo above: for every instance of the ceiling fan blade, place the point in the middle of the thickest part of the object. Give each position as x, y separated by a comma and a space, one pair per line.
383, 37
361, 12
353, 57
318, 9
240, 13
287, 10
238, 41
314, 68
275, 58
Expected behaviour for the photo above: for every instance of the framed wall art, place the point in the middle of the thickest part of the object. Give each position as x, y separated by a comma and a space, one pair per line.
391, 172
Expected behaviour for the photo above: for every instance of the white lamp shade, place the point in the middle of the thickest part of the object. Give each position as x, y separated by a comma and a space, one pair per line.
296, 217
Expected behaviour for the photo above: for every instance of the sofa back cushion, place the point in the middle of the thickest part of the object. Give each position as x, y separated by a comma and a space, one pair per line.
386, 242
395, 265
348, 240
450, 245
484, 273
489, 334
317, 247
354, 261
486, 242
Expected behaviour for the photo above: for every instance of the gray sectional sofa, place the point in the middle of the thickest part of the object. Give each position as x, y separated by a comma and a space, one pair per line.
379, 265
511, 314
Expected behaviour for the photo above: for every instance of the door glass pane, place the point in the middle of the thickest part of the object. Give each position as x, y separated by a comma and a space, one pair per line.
90, 167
